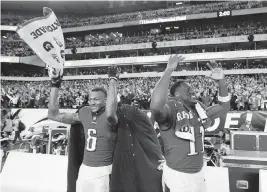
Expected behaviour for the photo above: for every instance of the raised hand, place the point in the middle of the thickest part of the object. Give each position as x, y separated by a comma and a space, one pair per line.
216, 71
173, 61
114, 72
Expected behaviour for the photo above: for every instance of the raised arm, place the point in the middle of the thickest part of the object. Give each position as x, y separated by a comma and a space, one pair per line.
112, 102
53, 107
223, 97
53, 110
158, 107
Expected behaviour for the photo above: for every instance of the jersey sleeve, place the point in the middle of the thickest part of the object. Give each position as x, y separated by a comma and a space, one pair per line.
168, 122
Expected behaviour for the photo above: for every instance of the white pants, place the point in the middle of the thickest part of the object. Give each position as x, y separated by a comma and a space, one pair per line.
183, 182
93, 179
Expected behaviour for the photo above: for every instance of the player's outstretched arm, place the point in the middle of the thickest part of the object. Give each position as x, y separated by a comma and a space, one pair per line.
223, 97
159, 97
53, 107
112, 102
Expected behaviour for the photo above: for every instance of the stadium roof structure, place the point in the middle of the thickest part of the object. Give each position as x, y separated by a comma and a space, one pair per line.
91, 8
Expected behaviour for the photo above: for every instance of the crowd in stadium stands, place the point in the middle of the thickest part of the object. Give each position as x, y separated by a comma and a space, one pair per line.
15, 48
21, 73
208, 31
9, 18
11, 45
247, 91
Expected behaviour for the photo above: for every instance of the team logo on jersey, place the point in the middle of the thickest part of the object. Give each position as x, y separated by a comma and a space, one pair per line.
94, 120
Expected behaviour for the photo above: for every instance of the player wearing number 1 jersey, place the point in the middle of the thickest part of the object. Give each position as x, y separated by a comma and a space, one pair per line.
182, 122
99, 137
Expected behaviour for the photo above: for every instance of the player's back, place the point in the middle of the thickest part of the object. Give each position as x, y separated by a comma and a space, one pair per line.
183, 154
100, 138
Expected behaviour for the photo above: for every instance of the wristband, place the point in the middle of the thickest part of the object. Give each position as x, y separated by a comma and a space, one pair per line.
224, 99
114, 78
56, 83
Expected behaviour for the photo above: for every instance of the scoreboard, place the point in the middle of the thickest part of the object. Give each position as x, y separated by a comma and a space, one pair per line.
225, 13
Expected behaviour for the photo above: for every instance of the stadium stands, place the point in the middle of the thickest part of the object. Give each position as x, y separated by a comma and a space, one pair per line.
11, 18
75, 93
12, 45
34, 94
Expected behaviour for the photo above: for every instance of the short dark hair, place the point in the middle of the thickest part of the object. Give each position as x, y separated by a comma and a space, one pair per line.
178, 83
100, 89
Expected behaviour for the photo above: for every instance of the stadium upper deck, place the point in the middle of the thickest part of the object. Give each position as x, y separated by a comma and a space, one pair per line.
70, 20
106, 40
226, 33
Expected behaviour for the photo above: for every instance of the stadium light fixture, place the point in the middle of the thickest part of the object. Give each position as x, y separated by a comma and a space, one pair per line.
167, 28
179, 3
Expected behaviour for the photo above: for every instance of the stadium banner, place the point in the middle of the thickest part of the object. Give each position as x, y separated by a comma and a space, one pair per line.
191, 42
8, 28
232, 120
45, 37
163, 20
92, 27
9, 59
249, 11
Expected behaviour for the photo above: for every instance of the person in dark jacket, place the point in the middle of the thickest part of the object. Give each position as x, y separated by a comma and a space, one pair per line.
76, 145
137, 153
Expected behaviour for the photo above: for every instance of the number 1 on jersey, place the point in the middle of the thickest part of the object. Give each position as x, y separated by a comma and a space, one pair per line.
192, 144
91, 140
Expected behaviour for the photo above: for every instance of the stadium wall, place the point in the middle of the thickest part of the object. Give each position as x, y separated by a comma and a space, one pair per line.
139, 75
178, 43
230, 55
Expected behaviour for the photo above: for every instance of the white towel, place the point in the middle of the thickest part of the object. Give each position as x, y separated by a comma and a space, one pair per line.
201, 113
45, 37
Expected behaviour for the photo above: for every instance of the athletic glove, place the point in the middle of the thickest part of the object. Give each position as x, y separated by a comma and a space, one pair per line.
56, 76
113, 72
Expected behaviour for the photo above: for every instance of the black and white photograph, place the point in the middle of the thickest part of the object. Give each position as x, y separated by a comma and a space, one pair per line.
133, 96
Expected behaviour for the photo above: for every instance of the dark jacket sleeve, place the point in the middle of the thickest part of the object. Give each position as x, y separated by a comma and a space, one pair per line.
76, 145
138, 172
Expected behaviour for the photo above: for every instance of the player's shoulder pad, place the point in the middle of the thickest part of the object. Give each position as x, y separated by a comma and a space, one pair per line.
127, 108
82, 107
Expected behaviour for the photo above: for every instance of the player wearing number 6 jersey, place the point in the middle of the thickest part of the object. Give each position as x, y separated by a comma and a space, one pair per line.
182, 121
99, 137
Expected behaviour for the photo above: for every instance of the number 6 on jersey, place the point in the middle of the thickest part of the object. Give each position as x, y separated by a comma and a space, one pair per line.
91, 140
